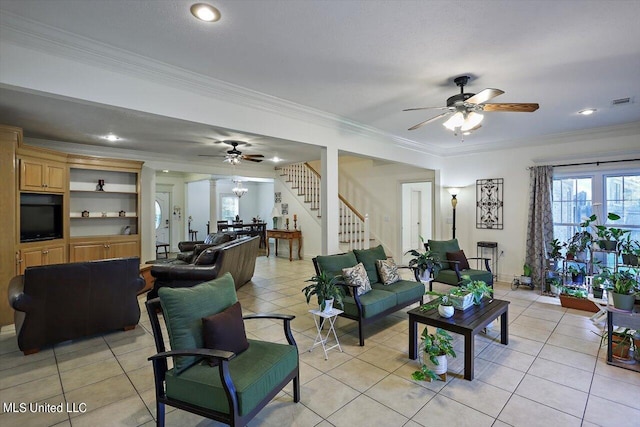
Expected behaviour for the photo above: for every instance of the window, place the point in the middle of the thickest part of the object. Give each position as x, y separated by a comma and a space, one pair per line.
158, 215
622, 196
229, 206
572, 201
577, 196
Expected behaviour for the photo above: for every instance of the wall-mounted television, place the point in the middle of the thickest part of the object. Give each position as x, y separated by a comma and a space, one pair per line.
40, 217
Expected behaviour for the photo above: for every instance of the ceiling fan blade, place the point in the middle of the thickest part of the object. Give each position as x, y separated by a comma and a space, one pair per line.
426, 108
419, 125
516, 108
484, 96
251, 160
252, 155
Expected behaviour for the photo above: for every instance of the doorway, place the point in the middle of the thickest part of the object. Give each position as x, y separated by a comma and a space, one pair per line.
417, 216
161, 217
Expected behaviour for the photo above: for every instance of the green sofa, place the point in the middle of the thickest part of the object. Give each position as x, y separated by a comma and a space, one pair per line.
451, 274
382, 299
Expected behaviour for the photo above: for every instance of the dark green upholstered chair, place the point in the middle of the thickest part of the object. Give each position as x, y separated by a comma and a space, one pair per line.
235, 390
451, 273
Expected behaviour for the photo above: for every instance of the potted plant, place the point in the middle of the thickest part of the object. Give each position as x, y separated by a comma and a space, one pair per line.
630, 250
610, 236
424, 264
601, 281
554, 253
621, 343
577, 298
326, 289
554, 284
577, 274
624, 290
525, 278
435, 349
442, 302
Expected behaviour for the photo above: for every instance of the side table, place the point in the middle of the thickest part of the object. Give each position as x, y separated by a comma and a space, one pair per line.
319, 318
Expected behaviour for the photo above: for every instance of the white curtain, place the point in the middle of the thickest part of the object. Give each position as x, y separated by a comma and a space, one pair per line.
540, 223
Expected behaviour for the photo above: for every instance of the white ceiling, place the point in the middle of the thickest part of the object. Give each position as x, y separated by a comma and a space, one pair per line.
364, 61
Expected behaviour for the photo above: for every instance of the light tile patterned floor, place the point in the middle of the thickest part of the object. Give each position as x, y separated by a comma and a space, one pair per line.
551, 374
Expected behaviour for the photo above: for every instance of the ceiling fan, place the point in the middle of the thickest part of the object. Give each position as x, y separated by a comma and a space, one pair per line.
466, 108
235, 156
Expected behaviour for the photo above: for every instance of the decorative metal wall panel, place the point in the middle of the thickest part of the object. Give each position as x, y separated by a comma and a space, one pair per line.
489, 194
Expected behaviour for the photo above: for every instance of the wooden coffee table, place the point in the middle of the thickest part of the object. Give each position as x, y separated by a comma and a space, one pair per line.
467, 323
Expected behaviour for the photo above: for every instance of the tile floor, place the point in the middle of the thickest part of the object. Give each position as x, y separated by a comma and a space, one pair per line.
552, 373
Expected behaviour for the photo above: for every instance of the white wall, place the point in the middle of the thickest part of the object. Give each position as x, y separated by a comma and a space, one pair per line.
198, 206
174, 184
511, 164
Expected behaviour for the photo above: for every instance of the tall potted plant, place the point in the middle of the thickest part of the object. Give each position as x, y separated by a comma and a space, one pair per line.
326, 289
435, 349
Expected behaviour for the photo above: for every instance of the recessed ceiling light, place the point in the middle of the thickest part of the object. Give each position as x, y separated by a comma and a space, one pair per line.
111, 137
165, 170
205, 12
587, 111
276, 159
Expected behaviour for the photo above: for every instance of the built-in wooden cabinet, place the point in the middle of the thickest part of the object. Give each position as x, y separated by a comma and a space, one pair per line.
103, 247
33, 176
33, 256
42, 176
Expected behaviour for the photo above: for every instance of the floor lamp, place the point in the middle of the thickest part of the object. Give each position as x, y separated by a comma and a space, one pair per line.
454, 202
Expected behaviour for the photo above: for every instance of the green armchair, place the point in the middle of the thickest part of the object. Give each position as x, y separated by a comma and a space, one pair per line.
242, 383
452, 270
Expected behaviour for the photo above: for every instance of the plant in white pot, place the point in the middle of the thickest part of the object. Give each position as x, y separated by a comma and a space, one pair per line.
326, 289
435, 349
424, 264
443, 302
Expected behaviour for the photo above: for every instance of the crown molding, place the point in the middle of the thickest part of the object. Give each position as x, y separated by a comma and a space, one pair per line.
40, 37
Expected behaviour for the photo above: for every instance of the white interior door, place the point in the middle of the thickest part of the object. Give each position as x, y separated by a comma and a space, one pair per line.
417, 219
162, 218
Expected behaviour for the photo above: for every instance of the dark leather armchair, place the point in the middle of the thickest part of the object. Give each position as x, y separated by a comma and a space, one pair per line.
56, 303
237, 257
190, 250
451, 272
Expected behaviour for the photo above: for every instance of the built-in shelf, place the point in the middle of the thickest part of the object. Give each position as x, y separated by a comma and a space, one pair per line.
102, 192
100, 215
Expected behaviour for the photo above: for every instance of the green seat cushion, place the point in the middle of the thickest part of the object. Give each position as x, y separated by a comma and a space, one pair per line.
184, 308
405, 290
449, 276
368, 258
373, 302
255, 373
333, 264
440, 248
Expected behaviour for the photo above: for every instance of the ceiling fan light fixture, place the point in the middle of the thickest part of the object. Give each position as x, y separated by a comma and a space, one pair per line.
472, 120
455, 121
587, 111
205, 12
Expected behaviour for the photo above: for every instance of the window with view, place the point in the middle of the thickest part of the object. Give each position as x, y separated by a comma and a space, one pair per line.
229, 206
577, 197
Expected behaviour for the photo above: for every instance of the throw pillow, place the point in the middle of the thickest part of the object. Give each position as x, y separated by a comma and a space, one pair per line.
225, 331
207, 257
388, 271
357, 276
459, 256
368, 258
184, 308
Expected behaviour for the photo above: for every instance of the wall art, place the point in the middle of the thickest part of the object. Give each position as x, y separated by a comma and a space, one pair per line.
489, 203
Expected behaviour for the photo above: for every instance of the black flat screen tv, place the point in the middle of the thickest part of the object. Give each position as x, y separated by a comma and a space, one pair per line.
40, 217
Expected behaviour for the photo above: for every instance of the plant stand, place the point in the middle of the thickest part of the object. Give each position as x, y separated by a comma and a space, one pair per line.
623, 319
319, 318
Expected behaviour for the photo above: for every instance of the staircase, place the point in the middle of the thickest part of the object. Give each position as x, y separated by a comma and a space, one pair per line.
353, 230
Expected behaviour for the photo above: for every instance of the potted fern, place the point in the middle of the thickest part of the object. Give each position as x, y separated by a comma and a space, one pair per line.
435, 349
326, 289
424, 264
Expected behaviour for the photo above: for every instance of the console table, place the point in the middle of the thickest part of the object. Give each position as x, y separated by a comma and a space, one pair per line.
289, 235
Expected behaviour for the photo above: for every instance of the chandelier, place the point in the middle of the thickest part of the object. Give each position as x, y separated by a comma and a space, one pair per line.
239, 190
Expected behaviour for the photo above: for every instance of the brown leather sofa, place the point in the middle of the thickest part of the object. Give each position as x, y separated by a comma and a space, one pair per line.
56, 303
237, 257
